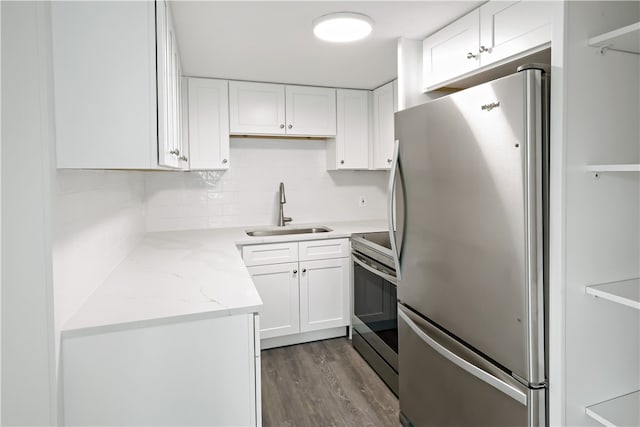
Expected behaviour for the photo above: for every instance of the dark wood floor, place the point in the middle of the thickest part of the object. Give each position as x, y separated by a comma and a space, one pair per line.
323, 383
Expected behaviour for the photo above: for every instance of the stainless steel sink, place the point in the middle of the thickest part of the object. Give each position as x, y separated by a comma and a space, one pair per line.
284, 231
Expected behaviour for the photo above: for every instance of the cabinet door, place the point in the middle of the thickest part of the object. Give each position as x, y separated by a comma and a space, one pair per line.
452, 51
256, 108
311, 250
324, 294
352, 138
383, 125
168, 103
208, 115
270, 253
104, 77
511, 28
277, 285
311, 111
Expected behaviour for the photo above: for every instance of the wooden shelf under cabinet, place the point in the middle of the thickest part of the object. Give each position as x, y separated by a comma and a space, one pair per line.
625, 292
625, 39
620, 411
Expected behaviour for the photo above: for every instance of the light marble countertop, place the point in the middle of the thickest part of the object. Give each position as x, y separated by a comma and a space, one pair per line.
183, 275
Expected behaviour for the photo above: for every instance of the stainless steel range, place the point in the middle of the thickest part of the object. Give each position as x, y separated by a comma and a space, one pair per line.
375, 314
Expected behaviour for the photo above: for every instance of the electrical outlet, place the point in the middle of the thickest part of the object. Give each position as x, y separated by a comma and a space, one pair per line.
362, 201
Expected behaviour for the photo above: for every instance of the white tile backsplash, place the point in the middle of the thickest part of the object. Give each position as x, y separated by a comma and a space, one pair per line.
247, 194
98, 218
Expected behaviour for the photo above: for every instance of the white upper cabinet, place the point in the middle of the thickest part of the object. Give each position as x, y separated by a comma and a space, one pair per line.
256, 108
113, 109
172, 152
509, 28
208, 117
311, 111
494, 34
384, 106
273, 109
451, 51
350, 148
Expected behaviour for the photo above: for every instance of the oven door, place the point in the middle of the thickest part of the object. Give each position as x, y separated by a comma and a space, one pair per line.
375, 315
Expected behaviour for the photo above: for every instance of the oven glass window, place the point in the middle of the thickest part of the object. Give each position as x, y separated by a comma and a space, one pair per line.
375, 302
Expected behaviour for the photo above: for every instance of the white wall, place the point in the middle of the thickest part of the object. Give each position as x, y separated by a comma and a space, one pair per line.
28, 390
66, 230
247, 194
602, 215
97, 220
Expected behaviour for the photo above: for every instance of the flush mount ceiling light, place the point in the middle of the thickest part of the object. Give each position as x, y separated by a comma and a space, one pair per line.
342, 27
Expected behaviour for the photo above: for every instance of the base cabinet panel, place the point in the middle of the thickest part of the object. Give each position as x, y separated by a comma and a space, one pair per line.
324, 294
306, 300
200, 372
277, 285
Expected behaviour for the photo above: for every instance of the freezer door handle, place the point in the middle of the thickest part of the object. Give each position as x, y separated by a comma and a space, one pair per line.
392, 220
459, 361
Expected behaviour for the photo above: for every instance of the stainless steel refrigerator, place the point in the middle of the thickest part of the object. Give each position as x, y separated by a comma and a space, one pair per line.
468, 212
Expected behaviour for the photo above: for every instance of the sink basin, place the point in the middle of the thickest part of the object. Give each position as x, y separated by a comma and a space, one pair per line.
284, 231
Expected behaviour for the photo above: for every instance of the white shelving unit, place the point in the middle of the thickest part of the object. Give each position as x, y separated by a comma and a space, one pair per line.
626, 292
630, 167
621, 411
625, 39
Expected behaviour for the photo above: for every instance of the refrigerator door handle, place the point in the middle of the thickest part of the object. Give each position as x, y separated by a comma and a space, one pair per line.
472, 369
392, 218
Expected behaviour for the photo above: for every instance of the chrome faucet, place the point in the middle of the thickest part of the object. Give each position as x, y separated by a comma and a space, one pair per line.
282, 221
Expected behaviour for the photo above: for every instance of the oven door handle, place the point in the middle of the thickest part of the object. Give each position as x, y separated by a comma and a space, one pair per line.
379, 273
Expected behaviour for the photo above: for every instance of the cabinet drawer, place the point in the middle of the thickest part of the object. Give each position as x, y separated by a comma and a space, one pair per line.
272, 253
324, 249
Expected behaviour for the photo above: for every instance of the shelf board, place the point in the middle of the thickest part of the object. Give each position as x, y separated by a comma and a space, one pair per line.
626, 292
625, 39
630, 167
621, 411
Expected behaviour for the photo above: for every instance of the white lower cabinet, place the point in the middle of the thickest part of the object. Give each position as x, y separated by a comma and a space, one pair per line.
324, 294
302, 299
194, 372
277, 285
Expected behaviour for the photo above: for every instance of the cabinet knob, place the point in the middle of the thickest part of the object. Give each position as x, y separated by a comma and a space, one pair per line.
281, 126
295, 271
470, 55
290, 126
175, 152
484, 49
389, 160
304, 270
183, 158
342, 162
225, 161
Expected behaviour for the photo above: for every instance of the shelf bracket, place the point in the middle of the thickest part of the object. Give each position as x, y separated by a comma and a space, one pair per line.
604, 48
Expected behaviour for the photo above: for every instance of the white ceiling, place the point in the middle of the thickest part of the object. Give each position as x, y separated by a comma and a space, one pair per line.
274, 42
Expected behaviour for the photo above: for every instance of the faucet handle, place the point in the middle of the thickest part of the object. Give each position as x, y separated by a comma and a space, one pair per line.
287, 219
283, 198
